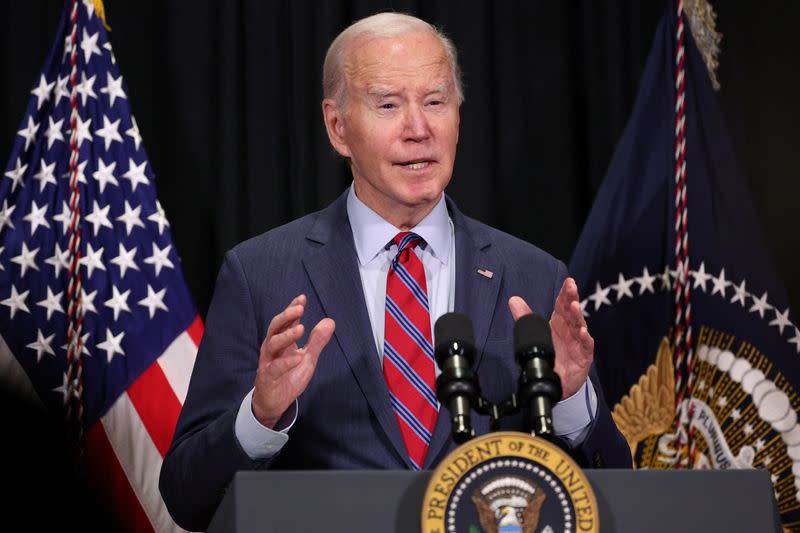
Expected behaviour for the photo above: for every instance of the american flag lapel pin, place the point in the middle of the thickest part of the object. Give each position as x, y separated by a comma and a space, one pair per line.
486, 273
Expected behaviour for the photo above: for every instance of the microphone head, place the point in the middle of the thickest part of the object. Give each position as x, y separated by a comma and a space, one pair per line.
532, 331
451, 328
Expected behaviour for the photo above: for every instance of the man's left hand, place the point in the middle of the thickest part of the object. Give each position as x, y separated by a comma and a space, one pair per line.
573, 345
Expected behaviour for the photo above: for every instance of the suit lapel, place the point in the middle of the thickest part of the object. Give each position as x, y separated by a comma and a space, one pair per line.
332, 268
476, 296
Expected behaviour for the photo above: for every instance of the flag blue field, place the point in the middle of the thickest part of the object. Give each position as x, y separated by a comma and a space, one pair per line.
86, 253
740, 407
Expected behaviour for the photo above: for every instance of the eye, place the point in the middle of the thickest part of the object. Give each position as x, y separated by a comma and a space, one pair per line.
387, 106
435, 102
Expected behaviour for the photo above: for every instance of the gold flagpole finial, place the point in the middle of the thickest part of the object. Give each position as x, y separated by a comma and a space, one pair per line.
101, 12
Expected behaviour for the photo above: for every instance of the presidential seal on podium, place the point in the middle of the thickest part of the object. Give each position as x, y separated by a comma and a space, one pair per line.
509, 482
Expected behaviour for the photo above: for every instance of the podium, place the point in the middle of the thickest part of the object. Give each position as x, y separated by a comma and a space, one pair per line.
390, 501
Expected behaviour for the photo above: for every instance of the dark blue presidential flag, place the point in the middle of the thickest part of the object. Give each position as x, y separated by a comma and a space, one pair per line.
695, 341
96, 322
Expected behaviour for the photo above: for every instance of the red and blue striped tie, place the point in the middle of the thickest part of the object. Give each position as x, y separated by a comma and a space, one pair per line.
408, 363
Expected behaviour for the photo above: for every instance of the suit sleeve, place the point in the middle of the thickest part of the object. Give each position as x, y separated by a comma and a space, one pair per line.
205, 453
604, 445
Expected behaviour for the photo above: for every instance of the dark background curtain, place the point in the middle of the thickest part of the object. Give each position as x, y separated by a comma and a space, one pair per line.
226, 95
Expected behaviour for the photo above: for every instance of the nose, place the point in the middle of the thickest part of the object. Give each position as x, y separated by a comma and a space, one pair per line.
416, 127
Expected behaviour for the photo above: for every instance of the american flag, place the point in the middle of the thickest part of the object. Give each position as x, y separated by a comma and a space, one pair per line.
86, 254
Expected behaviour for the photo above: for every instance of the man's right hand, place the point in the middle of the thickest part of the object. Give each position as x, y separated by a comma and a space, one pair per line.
284, 369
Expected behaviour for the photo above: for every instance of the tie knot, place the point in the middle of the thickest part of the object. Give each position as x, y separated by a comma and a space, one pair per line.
407, 240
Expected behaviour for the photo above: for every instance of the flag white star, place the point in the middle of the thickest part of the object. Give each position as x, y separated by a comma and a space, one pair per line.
59, 260
796, 340
107, 46
2, 249
584, 312
112, 345
781, 320
29, 132
666, 283
131, 218
160, 258
767, 461
722, 401
16, 173
154, 300
62, 88
42, 345
37, 217
82, 343
760, 304
42, 92
600, 296
113, 88
64, 216
53, 132
92, 259
760, 444
45, 174
159, 217
118, 301
86, 88
5, 215
65, 386
87, 302
89, 45
105, 174
26, 259
623, 287
739, 293
747, 429
109, 132
52, 303
125, 260
701, 384
700, 277
16, 302
99, 217
67, 46
80, 175
82, 132
720, 284
135, 173
736, 414
133, 133
89, 5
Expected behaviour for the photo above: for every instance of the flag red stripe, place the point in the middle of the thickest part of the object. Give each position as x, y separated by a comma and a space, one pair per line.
112, 483
195, 331
157, 405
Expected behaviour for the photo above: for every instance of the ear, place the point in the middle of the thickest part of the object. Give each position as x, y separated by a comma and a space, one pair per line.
335, 126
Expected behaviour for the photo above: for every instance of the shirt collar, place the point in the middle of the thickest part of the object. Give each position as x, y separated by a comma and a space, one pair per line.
371, 232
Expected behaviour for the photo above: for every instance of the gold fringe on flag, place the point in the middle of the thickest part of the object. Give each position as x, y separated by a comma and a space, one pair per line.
101, 12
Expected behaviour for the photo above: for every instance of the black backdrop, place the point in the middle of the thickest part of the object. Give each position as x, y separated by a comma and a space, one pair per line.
226, 95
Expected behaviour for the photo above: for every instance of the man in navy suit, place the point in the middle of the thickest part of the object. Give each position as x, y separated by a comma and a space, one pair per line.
268, 393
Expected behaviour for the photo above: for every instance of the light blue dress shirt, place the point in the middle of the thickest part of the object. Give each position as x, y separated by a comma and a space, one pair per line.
371, 233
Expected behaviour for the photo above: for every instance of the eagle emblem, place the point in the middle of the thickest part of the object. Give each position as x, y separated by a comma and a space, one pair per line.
508, 504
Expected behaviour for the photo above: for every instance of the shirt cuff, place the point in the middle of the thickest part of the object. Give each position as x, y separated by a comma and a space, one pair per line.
257, 441
573, 416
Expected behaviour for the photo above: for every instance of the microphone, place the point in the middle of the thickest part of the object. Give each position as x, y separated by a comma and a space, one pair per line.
457, 386
539, 385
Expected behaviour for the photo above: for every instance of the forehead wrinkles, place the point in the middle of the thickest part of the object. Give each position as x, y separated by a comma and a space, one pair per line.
368, 66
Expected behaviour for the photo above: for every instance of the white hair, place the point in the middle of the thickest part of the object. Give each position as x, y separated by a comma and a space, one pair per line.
378, 26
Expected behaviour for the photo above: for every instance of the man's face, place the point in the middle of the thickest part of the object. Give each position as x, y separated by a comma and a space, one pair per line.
399, 126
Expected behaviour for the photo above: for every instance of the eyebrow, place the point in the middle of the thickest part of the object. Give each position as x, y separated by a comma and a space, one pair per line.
377, 92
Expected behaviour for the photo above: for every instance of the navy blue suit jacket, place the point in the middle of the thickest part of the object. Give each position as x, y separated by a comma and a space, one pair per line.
345, 419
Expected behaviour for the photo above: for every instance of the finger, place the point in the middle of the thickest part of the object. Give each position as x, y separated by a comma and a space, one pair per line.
319, 337
587, 342
277, 343
518, 307
285, 318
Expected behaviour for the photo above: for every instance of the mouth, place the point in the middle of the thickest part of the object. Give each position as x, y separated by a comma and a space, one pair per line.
418, 164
